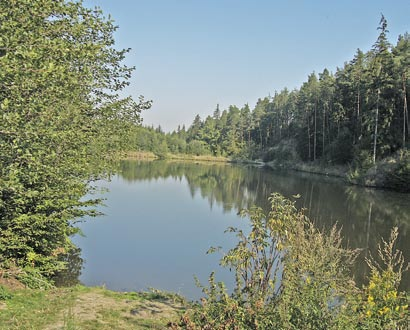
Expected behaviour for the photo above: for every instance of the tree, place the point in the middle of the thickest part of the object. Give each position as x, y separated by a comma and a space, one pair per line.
382, 66
402, 58
308, 98
257, 119
210, 135
59, 103
326, 85
231, 133
195, 129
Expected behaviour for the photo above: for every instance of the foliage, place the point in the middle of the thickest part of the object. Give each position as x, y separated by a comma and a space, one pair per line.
362, 162
284, 153
290, 275
384, 306
341, 151
196, 147
392, 172
62, 122
398, 176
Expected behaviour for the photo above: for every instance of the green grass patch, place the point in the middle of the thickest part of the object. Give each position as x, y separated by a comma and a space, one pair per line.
34, 309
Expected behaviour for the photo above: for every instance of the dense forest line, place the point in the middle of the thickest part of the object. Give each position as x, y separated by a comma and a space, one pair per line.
356, 116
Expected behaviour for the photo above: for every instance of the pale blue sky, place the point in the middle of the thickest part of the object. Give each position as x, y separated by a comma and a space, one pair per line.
192, 54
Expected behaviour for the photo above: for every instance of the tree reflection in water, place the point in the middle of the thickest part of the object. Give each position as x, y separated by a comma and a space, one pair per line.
365, 215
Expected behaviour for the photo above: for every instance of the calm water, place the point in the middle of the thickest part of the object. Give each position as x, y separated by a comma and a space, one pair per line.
162, 217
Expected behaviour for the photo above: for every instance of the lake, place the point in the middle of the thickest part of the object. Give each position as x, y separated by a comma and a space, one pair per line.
161, 217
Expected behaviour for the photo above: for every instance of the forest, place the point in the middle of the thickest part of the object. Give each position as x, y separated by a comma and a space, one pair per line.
357, 116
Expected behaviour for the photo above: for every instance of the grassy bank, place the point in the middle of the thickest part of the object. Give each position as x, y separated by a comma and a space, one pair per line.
143, 155
82, 307
147, 155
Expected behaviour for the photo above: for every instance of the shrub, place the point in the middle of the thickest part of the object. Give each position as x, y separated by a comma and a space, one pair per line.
290, 275
384, 307
198, 148
398, 177
282, 154
341, 150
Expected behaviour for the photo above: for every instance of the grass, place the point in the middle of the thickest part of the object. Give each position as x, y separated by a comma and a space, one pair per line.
82, 307
147, 155
34, 309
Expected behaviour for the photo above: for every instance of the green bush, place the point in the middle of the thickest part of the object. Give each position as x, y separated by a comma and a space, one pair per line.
290, 275
282, 154
384, 307
362, 162
198, 148
398, 177
341, 150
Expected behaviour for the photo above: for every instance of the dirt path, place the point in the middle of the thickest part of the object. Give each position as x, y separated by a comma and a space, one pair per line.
96, 310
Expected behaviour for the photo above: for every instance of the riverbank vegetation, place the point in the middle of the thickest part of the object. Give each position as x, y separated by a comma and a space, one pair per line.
148, 155
291, 275
356, 117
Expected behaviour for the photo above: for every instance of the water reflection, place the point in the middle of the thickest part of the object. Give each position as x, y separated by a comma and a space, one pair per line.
70, 275
365, 215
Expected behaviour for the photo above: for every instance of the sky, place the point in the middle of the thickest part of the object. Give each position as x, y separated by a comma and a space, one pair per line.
191, 55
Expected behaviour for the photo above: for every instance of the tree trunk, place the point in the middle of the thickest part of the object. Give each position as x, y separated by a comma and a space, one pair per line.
323, 130
405, 114
375, 126
329, 137
308, 131
359, 120
314, 135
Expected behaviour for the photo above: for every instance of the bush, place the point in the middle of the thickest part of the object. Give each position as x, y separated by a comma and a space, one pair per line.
282, 154
392, 172
384, 306
198, 148
398, 177
341, 150
362, 162
290, 275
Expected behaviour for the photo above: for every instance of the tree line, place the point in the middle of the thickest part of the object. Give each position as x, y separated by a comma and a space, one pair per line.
359, 113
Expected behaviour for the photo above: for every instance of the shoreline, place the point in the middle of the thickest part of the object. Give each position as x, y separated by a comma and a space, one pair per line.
148, 155
375, 177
